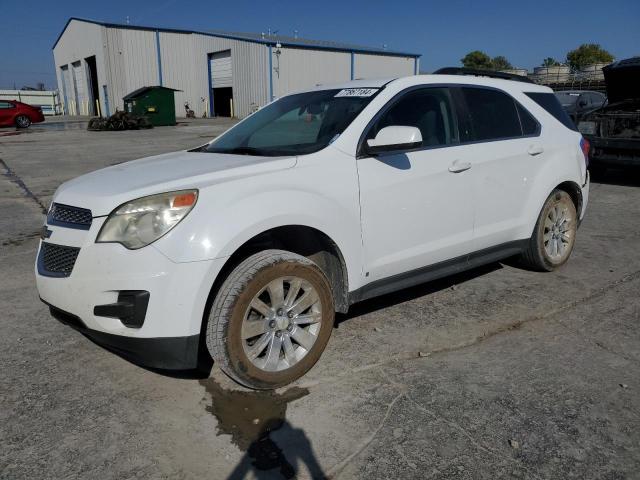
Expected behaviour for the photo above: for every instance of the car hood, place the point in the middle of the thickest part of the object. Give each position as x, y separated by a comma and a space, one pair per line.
103, 190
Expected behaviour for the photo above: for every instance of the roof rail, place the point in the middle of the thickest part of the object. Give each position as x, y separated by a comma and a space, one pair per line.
482, 73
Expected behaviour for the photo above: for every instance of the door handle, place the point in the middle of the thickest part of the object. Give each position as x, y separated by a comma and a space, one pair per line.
457, 167
535, 150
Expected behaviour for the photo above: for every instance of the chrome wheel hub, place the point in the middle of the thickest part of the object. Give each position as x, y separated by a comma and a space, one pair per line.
281, 324
558, 231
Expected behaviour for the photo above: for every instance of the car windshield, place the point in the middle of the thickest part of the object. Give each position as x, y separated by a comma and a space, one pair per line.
296, 124
567, 99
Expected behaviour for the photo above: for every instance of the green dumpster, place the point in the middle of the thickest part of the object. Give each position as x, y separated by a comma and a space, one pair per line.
156, 103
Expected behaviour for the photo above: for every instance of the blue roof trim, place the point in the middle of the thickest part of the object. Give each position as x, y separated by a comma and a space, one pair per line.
284, 43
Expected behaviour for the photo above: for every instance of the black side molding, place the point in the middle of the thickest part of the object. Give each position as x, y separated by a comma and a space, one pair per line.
130, 308
438, 270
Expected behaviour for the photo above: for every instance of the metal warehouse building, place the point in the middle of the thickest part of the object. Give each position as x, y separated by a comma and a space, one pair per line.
219, 73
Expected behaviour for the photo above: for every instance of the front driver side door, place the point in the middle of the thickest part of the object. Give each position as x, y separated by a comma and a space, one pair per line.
417, 207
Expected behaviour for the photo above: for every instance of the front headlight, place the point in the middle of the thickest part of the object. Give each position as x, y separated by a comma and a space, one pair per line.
138, 223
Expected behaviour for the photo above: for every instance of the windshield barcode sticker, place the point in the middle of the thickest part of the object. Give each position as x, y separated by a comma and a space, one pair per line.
356, 92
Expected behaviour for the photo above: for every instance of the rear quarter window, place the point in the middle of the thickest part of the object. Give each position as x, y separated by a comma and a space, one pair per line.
550, 103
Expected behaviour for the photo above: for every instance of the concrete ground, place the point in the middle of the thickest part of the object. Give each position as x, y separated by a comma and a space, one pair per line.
497, 373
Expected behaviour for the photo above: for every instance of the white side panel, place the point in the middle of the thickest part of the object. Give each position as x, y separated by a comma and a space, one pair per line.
300, 69
140, 59
382, 66
179, 66
221, 70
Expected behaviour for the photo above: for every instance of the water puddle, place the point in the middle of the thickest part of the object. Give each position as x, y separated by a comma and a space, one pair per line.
250, 418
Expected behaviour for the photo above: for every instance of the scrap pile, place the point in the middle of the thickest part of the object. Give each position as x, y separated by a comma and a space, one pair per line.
119, 121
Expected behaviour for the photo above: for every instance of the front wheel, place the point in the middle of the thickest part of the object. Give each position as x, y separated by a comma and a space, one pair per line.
22, 121
554, 235
271, 319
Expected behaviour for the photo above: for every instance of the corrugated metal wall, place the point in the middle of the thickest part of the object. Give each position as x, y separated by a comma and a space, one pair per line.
381, 66
249, 65
80, 40
299, 69
127, 59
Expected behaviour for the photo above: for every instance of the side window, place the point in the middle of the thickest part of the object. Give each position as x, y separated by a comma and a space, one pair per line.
492, 114
5, 105
529, 124
550, 103
428, 109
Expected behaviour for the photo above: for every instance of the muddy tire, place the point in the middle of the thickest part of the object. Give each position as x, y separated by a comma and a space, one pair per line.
271, 319
554, 235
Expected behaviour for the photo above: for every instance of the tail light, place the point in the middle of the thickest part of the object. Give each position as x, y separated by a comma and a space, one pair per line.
585, 146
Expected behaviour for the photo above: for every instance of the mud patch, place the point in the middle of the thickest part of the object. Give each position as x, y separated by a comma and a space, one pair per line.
250, 417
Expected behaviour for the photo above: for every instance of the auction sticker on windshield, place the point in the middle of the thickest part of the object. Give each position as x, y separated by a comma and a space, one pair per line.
356, 92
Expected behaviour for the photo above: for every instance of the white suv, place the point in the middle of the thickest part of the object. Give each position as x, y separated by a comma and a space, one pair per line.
246, 247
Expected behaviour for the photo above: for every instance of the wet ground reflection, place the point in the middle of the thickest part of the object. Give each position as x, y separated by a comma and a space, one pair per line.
250, 417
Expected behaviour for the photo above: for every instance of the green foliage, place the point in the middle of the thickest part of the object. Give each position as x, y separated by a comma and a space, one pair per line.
501, 63
586, 54
481, 61
550, 62
478, 60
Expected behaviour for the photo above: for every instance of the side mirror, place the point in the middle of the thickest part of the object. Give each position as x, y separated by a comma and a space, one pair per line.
394, 138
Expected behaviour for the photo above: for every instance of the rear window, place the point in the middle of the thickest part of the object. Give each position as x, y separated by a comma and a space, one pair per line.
550, 103
493, 114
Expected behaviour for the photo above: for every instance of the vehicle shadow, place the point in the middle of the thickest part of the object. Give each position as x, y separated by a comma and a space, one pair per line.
256, 422
623, 177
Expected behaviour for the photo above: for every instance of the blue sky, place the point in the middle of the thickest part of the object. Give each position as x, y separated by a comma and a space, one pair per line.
524, 32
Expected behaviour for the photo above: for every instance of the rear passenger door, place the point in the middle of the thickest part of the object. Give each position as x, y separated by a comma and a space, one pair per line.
506, 153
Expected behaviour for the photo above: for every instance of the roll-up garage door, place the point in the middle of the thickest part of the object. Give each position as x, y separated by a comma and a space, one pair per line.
221, 72
80, 84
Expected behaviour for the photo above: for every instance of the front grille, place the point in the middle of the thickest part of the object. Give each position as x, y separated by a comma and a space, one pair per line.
56, 260
68, 216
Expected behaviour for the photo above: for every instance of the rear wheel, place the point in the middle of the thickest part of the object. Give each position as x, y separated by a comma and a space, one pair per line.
22, 121
271, 319
555, 233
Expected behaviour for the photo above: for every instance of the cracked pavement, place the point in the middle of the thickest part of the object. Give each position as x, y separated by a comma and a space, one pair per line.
495, 373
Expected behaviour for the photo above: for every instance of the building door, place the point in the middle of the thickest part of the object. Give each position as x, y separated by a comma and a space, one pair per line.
221, 84
66, 90
80, 88
92, 83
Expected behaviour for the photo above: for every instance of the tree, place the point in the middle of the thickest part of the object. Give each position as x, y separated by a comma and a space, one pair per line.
550, 62
586, 54
501, 63
478, 60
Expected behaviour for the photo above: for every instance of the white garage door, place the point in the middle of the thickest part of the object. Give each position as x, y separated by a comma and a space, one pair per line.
221, 72
80, 84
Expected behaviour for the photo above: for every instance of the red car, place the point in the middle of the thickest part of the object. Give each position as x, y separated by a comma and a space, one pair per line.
21, 115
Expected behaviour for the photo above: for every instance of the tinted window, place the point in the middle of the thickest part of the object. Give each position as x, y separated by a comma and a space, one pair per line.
550, 103
529, 124
492, 114
6, 105
427, 109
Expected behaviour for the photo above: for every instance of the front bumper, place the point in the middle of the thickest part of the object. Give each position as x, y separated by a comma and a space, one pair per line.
167, 336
